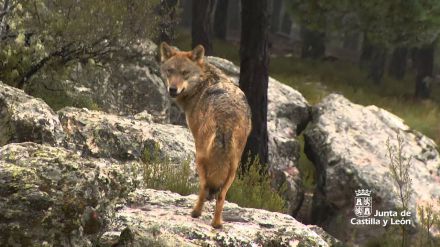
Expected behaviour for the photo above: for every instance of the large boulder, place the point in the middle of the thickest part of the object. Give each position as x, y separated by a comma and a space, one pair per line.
347, 144
127, 86
24, 118
52, 197
162, 218
101, 135
288, 115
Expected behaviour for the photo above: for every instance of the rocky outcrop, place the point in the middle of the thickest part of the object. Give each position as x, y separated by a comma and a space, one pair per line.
126, 88
24, 118
102, 135
52, 197
161, 218
288, 115
347, 143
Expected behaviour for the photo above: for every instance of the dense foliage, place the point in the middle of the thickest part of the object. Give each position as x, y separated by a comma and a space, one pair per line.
38, 35
390, 23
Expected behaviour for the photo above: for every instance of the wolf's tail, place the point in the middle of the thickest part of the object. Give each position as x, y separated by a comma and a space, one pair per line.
212, 192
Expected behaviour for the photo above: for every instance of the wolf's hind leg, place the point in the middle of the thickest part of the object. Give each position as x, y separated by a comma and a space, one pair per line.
217, 221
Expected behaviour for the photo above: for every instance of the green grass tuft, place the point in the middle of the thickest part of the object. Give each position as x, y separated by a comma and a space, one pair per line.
161, 174
59, 99
254, 190
250, 190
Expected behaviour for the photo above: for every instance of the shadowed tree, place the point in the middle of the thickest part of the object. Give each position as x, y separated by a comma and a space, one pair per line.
385, 24
313, 43
397, 67
201, 27
276, 15
221, 19
168, 22
366, 53
186, 14
424, 70
254, 76
376, 66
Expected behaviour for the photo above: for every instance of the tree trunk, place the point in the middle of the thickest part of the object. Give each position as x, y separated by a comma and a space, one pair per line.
376, 66
413, 56
373, 58
254, 76
276, 16
424, 70
313, 44
186, 13
168, 21
234, 11
366, 54
221, 19
397, 67
202, 17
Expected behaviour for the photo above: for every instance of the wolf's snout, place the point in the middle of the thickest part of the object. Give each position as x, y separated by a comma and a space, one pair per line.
173, 91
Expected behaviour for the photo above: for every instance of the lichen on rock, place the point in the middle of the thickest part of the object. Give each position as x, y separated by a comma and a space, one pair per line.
52, 195
24, 118
164, 217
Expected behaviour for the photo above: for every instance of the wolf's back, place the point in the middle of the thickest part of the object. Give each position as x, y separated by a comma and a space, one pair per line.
225, 107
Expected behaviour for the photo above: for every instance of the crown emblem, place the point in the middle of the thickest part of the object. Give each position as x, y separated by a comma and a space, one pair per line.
363, 192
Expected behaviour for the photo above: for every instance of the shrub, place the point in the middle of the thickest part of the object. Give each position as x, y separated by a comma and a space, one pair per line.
250, 190
254, 190
400, 169
161, 174
428, 220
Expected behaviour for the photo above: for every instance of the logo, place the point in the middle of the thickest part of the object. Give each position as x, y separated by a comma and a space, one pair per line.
363, 207
363, 203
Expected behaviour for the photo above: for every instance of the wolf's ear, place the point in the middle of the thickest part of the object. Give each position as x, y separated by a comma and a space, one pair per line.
166, 52
198, 54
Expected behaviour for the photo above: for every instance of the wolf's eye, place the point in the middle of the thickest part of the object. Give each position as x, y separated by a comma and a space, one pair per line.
170, 71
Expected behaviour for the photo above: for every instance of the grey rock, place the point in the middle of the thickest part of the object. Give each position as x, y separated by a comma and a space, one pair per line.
52, 197
162, 218
347, 144
127, 88
101, 135
24, 118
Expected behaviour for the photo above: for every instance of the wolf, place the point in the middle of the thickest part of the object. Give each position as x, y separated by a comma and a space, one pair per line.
218, 115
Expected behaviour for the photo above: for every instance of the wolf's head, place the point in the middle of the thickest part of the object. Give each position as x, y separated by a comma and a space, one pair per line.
181, 70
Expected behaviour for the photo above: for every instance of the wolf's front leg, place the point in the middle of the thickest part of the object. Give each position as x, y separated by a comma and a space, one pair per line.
197, 211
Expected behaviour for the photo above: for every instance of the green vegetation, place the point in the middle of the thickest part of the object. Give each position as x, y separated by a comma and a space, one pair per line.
306, 168
160, 173
254, 190
251, 190
42, 41
428, 219
59, 99
400, 171
390, 23
52, 33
